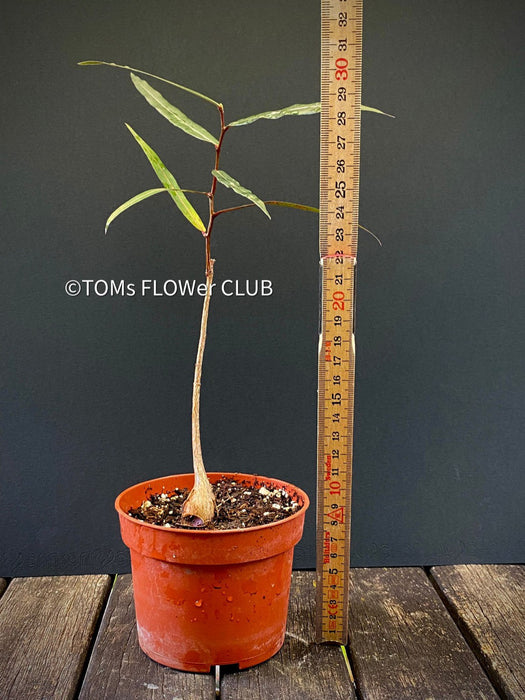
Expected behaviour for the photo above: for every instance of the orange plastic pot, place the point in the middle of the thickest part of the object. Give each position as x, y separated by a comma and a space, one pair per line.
210, 597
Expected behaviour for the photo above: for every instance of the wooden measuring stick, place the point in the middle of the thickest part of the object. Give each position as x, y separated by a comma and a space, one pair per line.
341, 53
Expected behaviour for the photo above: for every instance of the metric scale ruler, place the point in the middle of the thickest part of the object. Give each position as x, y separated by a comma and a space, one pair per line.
341, 52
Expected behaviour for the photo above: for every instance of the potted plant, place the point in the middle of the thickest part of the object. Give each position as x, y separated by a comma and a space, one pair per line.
208, 593
210, 588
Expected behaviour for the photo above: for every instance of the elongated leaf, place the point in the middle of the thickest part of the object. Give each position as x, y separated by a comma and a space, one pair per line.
364, 108
229, 181
293, 205
134, 200
171, 113
170, 183
151, 75
295, 110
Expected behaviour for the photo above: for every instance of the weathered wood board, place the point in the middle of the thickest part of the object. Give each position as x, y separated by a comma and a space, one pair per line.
403, 642
119, 670
302, 670
488, 603
46, 628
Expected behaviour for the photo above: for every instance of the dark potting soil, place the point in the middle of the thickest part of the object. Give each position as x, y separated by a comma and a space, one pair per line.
239, 504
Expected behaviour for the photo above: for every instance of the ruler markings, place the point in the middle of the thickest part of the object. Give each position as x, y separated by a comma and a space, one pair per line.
341, 32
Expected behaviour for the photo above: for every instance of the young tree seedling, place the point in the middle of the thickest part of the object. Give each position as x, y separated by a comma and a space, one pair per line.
199, 507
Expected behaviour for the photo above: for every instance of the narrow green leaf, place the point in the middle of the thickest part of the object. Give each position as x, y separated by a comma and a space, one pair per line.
364, 108
293, 110
151, 75
297, 111
134, 200
229, 181
293, 205
171, 113
170, 183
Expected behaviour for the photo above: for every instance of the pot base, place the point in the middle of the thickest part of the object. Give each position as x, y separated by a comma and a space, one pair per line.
194, 617
194, 667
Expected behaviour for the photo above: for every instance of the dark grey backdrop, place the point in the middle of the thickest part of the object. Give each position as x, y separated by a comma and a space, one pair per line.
95, 390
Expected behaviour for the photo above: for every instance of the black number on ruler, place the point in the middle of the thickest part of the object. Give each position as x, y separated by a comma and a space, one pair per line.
340, 189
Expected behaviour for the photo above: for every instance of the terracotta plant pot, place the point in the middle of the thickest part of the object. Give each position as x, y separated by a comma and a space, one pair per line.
210, 597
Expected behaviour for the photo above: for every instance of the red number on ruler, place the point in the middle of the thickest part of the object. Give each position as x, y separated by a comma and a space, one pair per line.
338, 302
341, 65
335, 488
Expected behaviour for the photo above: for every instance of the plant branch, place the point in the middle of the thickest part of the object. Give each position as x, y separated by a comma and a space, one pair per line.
304, 207
211, 193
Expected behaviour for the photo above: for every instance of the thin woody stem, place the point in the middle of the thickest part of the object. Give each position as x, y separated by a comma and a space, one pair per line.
198, 464
200, 504
211, 194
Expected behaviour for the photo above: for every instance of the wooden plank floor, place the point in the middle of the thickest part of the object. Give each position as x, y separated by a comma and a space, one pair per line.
454, 632
488, 603
46, 629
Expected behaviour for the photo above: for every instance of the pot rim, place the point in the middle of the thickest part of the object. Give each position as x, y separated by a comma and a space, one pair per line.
214, 533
